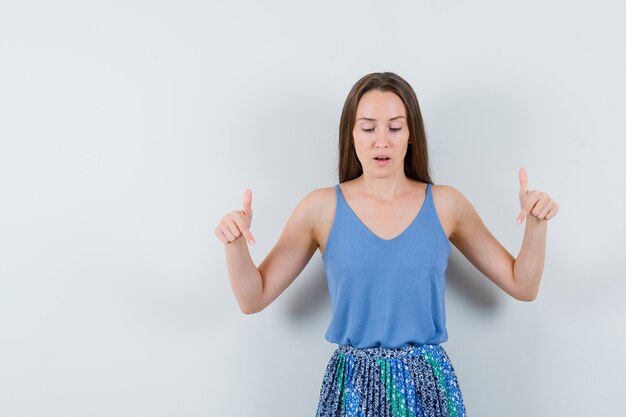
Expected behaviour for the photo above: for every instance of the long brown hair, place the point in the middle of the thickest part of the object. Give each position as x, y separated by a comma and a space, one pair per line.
416, 159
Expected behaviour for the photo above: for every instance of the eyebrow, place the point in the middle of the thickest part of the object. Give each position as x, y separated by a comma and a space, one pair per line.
373, 120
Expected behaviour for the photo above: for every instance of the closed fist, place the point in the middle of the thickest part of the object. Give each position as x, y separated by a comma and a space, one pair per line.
237, 223
535, 203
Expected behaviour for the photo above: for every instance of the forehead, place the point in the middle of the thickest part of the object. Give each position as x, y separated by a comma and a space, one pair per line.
378, 104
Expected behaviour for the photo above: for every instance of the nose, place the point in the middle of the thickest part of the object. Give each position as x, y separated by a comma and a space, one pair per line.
382, 141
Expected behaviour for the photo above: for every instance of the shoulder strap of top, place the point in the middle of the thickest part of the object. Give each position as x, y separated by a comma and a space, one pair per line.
429, 202
340, 199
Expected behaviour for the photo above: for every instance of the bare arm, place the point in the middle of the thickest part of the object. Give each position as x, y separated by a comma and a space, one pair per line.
519, 277
472, 238
528, 267
256, 288
245, 278
537, 208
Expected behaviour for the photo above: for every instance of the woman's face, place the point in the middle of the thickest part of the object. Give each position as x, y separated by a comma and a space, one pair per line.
381, 129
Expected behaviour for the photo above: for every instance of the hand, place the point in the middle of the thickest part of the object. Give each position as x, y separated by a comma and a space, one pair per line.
534, 202
237, 222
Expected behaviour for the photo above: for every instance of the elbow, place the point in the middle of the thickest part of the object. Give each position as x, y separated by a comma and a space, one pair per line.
527, 297
526, 290
250, 309
247, 310
253, 306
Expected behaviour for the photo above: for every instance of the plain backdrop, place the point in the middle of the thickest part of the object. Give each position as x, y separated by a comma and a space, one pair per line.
129, 128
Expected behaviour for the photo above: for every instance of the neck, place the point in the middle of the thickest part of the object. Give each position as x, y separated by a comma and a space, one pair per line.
384, 188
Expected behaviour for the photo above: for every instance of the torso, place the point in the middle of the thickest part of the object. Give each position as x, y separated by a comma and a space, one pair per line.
385, 219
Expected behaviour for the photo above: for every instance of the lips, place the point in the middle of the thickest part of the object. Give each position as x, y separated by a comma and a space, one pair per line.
381, 162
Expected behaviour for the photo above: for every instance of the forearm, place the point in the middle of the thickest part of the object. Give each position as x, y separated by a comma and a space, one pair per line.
528, 267
245, 278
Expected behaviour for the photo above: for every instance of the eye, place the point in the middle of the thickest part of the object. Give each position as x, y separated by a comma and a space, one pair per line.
371, 129
395, 129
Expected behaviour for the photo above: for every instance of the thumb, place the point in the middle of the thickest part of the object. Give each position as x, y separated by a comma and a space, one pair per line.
523, 181
523, 189
247, 202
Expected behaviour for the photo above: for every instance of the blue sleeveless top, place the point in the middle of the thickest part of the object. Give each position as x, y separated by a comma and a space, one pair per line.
386, 293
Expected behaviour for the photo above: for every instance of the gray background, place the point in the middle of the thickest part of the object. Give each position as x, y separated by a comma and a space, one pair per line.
129, 128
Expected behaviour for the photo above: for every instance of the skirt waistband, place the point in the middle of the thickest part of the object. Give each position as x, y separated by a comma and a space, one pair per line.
382, 352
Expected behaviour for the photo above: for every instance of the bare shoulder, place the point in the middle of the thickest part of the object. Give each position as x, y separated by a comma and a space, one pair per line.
322, 202
461, 211
318, 206
448, 195
445, 199
321, 196
444, 191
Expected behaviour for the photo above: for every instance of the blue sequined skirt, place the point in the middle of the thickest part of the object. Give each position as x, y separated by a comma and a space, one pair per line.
411, 381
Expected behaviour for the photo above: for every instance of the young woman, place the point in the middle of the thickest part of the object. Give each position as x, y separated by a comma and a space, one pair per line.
385, 233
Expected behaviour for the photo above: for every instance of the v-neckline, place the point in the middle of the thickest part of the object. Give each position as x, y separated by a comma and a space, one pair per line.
370, 230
